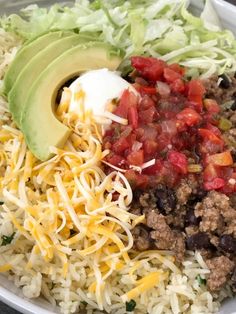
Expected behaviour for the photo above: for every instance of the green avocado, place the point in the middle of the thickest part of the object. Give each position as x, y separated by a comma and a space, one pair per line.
33, 69
26, 53
39, 124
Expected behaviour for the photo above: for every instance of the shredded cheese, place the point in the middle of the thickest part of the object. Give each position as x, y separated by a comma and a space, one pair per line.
67, 201
144, 284
65, 206
5, 268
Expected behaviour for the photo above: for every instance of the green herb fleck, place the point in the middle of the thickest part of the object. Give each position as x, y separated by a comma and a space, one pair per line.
201, 281
1, 203
130, 306
7, 239
84, 303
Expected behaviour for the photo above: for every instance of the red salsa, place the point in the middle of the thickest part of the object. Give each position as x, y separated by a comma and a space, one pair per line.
172, 125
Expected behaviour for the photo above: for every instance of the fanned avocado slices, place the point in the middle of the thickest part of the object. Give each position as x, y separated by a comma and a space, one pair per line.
26, 53
34, 68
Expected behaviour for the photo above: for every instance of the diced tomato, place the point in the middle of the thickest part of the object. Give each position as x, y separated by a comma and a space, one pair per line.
221, 159
178, 86
163, 141
210, 172
211, 143
215, 184
228, 189
181, 126
142, 181
148, 90
150, 147
196, 91
136, 158
214, 129
136, 180
209, 135
155, 169
177, 68
170, 75
211, 105
128, 99
170, 174
179, 161
120, 145
115, 160
148, 115
170, 121
150, 68
133, 117
146, 102
131, 176
189, 116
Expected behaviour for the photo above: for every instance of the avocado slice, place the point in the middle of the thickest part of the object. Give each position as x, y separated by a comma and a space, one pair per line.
34, 68
26, 53
40, 126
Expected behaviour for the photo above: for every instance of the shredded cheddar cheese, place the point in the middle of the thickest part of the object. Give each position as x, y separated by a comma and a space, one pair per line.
65, 207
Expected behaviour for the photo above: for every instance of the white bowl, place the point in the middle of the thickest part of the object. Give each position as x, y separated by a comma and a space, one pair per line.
11, 295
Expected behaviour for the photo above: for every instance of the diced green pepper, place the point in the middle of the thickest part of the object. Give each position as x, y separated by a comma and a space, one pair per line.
225, 124
194, 168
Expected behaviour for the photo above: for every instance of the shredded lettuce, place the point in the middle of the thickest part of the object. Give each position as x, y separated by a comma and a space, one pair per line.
160, 28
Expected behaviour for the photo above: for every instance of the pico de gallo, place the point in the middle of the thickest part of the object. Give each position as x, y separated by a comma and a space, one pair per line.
172, 131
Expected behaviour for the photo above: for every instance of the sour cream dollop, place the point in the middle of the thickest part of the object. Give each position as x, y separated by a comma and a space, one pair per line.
95, 90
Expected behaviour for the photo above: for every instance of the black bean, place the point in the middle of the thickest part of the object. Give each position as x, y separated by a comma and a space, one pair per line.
166, 199
201, 194
228, 243
198, 197
225, 81
233, 106
191, 219
198, 241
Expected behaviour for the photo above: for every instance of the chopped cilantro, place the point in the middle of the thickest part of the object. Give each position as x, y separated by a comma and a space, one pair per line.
84, 303
130, 306
7, 239
201, 281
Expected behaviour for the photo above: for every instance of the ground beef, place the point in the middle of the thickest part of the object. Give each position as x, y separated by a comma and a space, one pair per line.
142, 240
165, 238
189, 217
221, 267
215, 90
218, 217
210, 212
183, 192
209, 226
